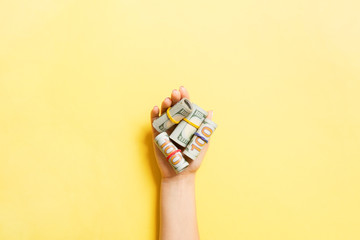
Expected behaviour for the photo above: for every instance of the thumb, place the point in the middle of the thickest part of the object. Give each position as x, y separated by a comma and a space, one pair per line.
210, 114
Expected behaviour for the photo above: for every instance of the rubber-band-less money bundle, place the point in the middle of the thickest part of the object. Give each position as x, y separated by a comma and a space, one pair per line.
193, 131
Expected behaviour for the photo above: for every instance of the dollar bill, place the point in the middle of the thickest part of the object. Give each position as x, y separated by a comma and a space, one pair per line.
179, 111
184, 131
176, 159
197, 142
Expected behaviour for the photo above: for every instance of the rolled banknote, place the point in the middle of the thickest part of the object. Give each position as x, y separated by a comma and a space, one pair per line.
188, 126
171, 152
200, 138
173, 115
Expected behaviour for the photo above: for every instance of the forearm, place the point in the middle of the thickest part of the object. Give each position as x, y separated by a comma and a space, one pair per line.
178, 208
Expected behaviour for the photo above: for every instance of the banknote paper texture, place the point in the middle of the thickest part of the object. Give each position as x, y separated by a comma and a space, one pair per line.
179, 111
171, 152
200, 138
184, 131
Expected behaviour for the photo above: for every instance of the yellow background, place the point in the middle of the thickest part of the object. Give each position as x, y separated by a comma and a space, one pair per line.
77, 82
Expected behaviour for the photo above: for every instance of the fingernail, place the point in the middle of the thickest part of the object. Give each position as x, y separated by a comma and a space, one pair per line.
182, 87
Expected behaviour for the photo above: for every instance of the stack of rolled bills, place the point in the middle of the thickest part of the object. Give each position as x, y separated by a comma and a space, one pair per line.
192, 132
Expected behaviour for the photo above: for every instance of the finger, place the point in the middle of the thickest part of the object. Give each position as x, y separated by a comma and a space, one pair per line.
165, 104
175, 96
184, 92
154, 114
210, 114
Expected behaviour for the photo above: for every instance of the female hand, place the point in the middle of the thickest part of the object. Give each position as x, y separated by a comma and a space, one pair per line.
165, 167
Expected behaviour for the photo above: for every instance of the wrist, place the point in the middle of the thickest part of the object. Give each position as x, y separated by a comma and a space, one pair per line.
180, 179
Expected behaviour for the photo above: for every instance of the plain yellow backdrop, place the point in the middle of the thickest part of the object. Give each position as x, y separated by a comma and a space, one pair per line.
77, 82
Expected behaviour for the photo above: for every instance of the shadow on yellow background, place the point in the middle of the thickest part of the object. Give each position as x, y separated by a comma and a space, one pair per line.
77, 82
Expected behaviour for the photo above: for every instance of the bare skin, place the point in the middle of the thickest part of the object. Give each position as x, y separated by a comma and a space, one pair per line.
177, 196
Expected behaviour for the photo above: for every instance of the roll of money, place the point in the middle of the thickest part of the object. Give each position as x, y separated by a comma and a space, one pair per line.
171, 152
177, 112
185, 130
200, 138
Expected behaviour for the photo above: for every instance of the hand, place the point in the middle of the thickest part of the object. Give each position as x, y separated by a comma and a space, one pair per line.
166, 170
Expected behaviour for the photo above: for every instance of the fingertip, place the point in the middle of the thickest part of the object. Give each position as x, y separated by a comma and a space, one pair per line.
154, 112
175, 96
210, 114
167, 101
165, 104
184, 93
